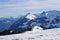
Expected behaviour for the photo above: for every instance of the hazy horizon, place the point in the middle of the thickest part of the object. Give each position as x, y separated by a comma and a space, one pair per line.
21, 7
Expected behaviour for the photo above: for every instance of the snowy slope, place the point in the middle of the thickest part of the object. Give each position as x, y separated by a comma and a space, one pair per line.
51, 34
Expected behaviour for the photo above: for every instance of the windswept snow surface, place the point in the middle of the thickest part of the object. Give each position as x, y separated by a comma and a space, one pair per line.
50, 34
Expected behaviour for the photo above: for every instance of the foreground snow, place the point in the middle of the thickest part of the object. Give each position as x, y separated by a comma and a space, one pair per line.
50, 34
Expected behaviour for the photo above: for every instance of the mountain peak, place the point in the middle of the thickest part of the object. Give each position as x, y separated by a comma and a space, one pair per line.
53, 13
30, 16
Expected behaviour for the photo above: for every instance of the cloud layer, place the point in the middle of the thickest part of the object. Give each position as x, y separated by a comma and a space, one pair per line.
18, 7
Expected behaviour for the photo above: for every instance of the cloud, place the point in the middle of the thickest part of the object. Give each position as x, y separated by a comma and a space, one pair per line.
30, 4
14, 7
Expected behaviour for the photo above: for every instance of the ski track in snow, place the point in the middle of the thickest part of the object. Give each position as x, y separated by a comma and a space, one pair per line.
50, 34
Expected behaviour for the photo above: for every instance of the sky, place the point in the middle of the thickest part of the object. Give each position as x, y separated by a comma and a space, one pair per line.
22, 7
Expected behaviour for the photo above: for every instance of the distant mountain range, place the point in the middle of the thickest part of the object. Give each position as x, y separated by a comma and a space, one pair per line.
48, 19
5, 23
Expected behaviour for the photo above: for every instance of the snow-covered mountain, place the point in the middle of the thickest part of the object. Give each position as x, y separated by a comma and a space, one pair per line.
30, 16
6, 22
48, 20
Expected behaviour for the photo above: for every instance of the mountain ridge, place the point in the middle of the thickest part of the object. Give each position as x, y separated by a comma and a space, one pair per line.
46, 19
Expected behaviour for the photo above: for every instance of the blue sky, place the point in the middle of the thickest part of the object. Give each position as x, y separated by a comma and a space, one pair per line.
21, 7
